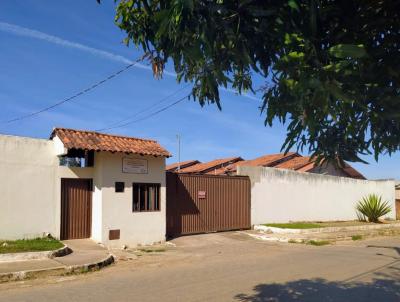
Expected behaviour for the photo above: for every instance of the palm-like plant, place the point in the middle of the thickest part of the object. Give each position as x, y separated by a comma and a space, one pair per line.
372, 207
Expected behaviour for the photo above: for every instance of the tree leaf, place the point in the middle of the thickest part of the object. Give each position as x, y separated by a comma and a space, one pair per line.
342, 51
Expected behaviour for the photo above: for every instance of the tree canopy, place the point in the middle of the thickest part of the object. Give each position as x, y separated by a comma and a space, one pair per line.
331, 67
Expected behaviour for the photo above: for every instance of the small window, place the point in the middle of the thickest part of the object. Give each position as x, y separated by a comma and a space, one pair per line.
146, 197
119, 187
78, 158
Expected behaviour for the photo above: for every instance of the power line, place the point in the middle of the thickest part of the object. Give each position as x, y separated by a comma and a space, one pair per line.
115, 124
32, 114
149, 115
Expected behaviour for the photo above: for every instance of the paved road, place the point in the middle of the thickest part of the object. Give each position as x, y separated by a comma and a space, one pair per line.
235, 267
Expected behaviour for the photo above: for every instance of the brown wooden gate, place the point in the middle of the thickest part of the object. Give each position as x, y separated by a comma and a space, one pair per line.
206, 203
398, 209
76, 208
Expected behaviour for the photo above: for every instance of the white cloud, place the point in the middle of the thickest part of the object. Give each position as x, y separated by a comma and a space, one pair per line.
35, 34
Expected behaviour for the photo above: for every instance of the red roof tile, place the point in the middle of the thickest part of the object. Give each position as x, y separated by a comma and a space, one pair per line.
269, 160
295, 163
182, 165
305, 164
89, 140
210, 166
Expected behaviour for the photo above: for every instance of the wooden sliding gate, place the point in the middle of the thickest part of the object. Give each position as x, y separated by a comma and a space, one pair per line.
207, 203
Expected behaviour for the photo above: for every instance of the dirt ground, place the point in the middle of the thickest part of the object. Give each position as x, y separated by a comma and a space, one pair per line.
232, 266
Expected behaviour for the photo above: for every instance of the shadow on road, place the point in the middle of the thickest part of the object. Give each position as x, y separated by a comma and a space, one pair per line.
323, 290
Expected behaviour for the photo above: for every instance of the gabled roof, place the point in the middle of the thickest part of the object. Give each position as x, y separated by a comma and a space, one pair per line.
269, 160
183, 164
211, 165
296, 163
305, 164
90, 140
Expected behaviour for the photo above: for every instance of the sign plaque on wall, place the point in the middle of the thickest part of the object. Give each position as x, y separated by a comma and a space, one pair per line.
134, 165
201, 194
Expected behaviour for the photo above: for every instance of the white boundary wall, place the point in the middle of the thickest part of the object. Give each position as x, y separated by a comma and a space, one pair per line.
27, 187
279, 195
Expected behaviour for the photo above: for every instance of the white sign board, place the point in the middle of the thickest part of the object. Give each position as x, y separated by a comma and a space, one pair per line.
134, 165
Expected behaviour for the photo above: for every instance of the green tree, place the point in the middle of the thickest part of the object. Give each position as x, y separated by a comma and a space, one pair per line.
331, 67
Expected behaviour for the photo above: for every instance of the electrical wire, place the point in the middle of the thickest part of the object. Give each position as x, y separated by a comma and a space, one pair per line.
113, 125
32, 114
149, 115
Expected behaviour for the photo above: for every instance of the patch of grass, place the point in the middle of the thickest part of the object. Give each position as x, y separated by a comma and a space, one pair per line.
159, 250
356, 237
295, 225
29, 245
318, 242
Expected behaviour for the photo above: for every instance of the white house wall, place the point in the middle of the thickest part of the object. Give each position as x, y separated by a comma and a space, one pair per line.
27, 192
135, 227
281, 195
30, 193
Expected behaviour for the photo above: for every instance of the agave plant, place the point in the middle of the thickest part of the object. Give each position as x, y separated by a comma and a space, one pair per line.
372, 207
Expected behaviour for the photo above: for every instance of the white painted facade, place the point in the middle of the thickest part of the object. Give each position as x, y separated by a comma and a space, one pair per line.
279, 195
30, 193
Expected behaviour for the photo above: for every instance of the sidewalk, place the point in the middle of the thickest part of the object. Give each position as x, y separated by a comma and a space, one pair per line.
85, 255
341, 234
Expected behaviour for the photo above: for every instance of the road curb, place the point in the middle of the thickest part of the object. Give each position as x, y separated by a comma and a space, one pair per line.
275, 230
286, 238
22, 275
11, 257
91, 266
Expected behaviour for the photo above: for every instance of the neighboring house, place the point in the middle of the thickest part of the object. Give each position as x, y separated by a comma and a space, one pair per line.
210, 167
181, 165
290, 161
83, 184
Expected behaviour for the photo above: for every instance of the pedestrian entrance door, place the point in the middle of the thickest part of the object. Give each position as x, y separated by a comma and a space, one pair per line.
76, 208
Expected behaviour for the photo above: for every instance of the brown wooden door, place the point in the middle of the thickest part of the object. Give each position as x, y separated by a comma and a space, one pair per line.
76, 208
398, 209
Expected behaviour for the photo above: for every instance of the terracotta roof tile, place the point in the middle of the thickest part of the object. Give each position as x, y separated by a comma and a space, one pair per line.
182, 164
353, 172
89, 140
295, 163
210, 166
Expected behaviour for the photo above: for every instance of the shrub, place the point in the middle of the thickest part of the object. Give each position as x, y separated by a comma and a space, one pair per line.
372, 207
356, 237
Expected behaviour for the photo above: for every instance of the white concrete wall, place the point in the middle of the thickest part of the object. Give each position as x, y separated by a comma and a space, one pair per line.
27, 192
282, 195
135, 227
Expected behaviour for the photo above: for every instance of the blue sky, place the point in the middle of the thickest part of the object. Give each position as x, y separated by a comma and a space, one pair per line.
50, 50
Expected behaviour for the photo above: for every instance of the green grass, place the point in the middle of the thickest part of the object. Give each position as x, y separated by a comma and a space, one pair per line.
29, 245
295, 225
319, 242
149, 250
356, 237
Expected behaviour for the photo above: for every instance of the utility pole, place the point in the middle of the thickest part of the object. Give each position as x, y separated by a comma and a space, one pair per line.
178, 137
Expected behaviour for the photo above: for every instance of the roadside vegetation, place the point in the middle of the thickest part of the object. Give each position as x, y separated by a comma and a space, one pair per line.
356, 237
29, 245
371, 208
318, 242
294, 225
